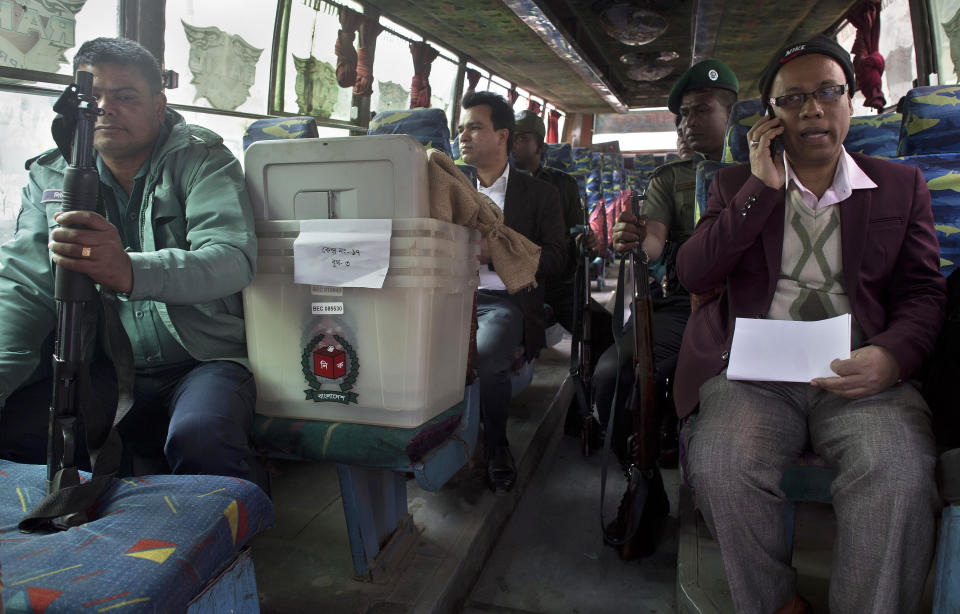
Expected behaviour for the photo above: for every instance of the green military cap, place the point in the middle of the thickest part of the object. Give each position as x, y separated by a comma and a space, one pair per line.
528, 121
708, 73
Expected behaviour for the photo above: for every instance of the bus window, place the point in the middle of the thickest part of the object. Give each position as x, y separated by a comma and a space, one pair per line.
896, 46
945, 22
310, 81
221, 54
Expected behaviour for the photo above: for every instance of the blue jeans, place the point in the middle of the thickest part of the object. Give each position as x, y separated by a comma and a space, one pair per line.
191, 419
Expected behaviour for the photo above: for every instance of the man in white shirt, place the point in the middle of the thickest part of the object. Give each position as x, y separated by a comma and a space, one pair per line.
505, 321
807, 234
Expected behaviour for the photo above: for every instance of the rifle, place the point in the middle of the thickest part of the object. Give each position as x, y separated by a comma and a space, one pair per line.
79, 305
645, 496
581, 370
72, 291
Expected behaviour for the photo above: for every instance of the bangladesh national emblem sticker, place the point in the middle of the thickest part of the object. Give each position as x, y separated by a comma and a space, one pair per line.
332, 364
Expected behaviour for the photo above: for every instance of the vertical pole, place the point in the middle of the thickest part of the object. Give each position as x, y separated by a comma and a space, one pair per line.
457, 96
278, 61
360, 105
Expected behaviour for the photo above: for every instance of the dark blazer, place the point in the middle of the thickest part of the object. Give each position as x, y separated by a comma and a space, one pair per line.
532, 208
891, 267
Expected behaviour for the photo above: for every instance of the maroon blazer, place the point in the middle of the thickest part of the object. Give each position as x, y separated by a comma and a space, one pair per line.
891, 267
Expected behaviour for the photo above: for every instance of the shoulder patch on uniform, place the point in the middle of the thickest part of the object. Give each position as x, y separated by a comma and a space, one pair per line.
52, 196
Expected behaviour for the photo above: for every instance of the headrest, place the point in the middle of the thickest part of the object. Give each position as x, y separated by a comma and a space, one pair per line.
280, 128
931, 121
874, 135
429, 126
743, 115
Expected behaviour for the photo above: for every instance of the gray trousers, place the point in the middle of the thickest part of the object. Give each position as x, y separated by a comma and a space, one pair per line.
884, 496
499, 333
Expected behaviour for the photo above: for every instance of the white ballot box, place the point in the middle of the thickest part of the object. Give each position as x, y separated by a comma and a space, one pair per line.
393, 355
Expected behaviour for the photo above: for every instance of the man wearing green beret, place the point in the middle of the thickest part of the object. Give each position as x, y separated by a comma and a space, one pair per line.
702, 98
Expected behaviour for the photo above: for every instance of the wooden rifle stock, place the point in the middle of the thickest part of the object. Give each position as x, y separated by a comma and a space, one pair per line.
642, 402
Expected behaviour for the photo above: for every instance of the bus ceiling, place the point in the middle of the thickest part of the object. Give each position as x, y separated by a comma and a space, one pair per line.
590, 56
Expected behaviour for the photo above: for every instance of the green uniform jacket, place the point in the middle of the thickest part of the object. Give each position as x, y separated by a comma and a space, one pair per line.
199, 252
671, 196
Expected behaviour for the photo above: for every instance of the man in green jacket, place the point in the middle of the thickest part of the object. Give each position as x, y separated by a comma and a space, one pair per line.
173, 238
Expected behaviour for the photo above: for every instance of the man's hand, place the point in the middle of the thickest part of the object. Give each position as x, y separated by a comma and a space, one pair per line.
589, 240
95, 250
766, 166
869, 370
629, 232
484, 256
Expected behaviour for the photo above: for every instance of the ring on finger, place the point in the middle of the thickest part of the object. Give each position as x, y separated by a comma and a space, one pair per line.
86, 251
754, 144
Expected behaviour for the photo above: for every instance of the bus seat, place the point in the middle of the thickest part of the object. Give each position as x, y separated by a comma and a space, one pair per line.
372, 463
706, 169
743, 115
280, 128
931, 121
429, 126
171, 543
874, 135
942, 173
558, 155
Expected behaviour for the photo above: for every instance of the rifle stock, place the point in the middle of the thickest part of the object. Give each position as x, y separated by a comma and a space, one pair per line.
642, 402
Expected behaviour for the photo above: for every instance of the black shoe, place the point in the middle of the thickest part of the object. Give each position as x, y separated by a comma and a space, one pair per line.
501, 470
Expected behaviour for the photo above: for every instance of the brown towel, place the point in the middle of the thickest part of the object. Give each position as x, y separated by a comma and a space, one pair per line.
454, 199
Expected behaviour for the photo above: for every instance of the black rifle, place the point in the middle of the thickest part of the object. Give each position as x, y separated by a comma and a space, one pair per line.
581, 369
74, 411
73, 291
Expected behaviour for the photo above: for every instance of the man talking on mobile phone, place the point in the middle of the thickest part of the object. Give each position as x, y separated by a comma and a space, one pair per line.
807, 234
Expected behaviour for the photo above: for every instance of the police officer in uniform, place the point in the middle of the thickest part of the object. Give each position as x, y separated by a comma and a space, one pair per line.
702, 98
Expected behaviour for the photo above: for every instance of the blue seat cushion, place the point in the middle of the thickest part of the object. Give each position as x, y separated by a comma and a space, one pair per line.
558, 155
153, 542
874, 135
429, 126
744, 114
931, 121
943, 180
280, 128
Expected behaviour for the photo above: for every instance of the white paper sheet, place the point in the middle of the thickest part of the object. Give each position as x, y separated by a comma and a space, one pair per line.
342, 253
787, 351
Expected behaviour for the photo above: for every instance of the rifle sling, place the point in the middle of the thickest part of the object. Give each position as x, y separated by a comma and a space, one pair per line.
69, 499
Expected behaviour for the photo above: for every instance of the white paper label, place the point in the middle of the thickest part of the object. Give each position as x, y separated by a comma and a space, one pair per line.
342, 253
326, 309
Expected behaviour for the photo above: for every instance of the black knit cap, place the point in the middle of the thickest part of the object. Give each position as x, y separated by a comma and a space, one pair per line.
818, 44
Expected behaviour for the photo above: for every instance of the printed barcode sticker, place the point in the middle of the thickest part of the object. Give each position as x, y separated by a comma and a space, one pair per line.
326, 291
321, 309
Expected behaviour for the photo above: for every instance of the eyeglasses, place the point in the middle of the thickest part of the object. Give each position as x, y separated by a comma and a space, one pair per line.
827, 93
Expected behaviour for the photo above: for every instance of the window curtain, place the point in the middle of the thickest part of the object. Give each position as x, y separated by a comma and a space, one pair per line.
868, 63
473, 78
369, 31
534, 106
423, 57
553, 126
350, 21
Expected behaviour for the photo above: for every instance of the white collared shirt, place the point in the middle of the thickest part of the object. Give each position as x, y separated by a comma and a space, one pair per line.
847, 178
497, 192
